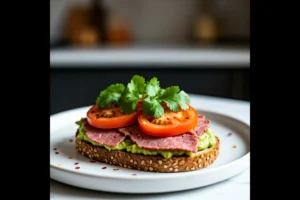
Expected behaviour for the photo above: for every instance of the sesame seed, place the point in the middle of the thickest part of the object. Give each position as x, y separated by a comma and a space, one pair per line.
181, 162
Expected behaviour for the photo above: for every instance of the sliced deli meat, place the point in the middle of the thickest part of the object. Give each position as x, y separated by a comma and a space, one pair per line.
202, 126
185, 142
110, 137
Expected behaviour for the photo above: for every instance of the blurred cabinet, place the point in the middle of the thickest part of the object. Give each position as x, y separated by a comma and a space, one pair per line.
72, 88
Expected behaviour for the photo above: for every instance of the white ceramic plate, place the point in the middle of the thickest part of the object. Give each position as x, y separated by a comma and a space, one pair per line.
234, 157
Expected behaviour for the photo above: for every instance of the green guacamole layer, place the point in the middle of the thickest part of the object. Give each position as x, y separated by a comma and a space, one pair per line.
206, 141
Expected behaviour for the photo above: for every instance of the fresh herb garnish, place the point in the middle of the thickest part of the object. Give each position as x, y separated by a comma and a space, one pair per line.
150, 94
111, 95
133, 92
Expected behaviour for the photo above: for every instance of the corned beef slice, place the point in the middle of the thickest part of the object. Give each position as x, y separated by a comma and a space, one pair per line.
110, 137
186, 141
202, 126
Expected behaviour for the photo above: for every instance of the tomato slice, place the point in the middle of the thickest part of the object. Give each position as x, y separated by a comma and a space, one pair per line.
170, 124
112, 117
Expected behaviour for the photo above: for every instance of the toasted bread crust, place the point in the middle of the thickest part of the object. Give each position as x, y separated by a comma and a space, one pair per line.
125, 159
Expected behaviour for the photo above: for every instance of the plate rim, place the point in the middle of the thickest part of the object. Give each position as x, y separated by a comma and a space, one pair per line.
178, 175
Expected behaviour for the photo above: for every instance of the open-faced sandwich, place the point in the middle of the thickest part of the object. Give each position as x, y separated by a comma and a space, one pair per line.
145, 127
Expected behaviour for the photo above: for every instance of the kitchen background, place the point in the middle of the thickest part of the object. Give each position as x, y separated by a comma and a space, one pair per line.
200, 45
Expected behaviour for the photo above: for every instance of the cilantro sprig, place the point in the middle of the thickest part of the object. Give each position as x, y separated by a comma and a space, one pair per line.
111, 95
149, 93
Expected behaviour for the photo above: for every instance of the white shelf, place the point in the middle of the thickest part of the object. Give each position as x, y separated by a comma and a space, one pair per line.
156, 57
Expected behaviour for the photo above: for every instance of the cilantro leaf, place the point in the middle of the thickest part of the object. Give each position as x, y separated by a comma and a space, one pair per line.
185, 96
152, 87
161, 92
173, 99
170, 97
129, 100
169, 92
137, 84
111, 95
183, 99
133, 92
152, 107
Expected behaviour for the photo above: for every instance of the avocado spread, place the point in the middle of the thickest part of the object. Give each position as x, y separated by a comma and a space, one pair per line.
206, 141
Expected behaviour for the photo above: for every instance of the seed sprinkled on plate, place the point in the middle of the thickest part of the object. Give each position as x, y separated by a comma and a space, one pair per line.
76, 163
133, 174
229, 134
54, 149
115, 169
234, 146
70, 157
92, 161
57, 152
77, 167
103, 167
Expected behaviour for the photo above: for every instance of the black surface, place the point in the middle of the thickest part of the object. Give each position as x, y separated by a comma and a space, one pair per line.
72, 88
